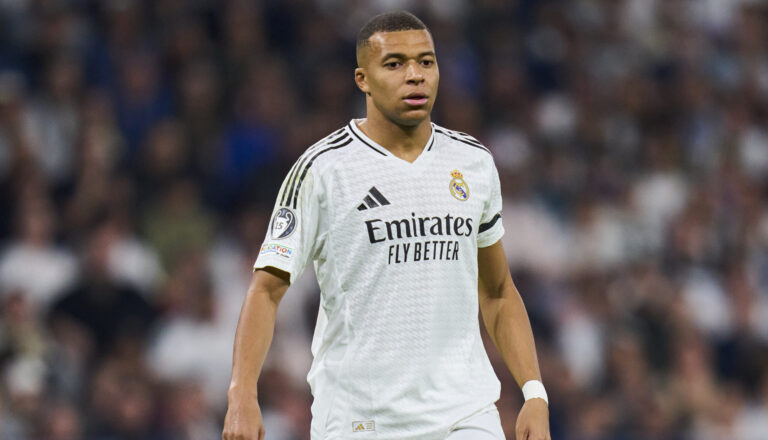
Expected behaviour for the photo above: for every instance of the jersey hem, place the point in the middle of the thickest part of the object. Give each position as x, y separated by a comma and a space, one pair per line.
263, 262
485, 409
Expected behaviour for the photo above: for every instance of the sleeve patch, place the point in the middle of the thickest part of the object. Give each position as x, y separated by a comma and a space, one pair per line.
283, 223
276, 249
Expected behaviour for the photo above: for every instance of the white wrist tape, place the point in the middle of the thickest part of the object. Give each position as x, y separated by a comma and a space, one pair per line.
533, 389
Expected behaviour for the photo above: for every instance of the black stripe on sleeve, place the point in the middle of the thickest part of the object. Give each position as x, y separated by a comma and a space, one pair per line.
309, 164
468, 138
291, 175
379, 196
306, 160
474, 142
465, 141
289, 193
486, 226
336, 139
284, 198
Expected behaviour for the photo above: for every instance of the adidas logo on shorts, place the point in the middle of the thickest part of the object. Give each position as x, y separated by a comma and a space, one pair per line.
363, 426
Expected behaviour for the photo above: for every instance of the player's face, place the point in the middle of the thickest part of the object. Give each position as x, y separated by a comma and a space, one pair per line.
400, 74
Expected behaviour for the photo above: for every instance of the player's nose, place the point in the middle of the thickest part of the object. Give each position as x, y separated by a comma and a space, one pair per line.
413, 73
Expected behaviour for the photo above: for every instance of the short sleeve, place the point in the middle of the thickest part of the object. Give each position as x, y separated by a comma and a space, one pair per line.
491, 229
292, 234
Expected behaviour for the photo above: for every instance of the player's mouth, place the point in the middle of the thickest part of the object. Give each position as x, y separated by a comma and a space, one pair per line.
416, 99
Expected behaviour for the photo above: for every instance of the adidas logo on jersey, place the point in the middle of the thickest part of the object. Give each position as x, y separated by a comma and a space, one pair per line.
363, 426
373, 199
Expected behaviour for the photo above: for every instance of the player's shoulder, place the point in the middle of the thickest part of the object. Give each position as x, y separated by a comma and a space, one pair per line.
310, 165
325, 151
462, 143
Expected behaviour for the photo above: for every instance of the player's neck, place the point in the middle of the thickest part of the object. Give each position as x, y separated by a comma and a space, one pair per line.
405, 142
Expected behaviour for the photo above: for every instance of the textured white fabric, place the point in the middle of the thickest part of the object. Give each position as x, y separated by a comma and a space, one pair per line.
484, 426
397, 348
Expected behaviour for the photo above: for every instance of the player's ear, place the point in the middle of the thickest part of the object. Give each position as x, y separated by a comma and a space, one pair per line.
362, 81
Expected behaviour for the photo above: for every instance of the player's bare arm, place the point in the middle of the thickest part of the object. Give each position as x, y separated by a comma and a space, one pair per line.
254, 334
507, 323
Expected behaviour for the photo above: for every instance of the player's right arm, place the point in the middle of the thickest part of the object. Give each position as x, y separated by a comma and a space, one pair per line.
293, 236
254, 335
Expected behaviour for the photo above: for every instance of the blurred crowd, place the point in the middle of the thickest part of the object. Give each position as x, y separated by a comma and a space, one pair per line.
142, 144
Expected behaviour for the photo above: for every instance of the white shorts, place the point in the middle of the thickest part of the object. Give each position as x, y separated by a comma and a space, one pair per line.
483, 426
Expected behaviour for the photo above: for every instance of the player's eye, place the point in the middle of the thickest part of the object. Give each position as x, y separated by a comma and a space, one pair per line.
427, 63
392, 65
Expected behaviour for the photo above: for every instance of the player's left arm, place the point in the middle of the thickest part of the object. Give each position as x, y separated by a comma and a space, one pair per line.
507, 323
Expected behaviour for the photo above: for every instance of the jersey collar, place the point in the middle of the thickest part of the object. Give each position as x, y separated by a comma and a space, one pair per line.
370, 143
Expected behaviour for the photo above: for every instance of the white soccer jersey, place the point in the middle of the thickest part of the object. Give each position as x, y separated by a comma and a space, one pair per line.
397, 347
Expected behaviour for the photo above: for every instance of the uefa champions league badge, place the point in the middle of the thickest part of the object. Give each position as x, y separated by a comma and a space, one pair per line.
283, 223
459, 188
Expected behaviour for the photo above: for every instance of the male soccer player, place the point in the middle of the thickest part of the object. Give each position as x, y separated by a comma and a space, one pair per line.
402, 220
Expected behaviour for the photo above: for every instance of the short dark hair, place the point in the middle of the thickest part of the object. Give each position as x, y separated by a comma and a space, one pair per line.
389, 22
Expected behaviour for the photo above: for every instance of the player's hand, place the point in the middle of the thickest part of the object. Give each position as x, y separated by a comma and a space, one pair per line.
533, 421
243, 420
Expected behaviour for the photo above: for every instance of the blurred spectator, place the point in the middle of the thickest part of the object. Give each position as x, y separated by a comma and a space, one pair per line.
91, 191
64, 422
189, 344
54, 117
107, 310
141, 99
164, 158
131, 260
177, 223
33, 264
20, 332
200, 111
122, 404
190, 415
14, 140
249, 145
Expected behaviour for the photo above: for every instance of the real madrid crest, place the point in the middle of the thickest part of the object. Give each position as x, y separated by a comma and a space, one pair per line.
459, 188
